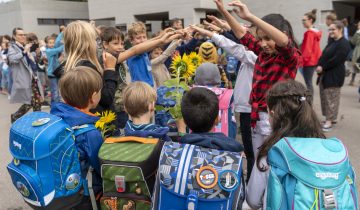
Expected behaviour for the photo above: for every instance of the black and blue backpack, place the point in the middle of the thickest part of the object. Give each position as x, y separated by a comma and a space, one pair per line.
197, 178
45, 168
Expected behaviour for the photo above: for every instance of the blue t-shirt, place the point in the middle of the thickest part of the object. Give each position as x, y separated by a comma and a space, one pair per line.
140, 69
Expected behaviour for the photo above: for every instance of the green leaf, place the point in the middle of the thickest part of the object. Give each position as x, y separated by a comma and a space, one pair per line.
171, 83
159, 108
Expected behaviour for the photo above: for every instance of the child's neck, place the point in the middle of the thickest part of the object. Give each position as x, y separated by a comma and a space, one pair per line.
144, 119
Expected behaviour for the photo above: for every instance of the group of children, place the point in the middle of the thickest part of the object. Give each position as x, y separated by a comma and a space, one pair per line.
271, 104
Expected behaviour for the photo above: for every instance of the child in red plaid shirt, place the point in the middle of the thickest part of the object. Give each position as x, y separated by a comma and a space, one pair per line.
278, 59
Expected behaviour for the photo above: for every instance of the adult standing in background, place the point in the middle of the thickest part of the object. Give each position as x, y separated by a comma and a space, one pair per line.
355, 40
25, 89
331, 71
310, 48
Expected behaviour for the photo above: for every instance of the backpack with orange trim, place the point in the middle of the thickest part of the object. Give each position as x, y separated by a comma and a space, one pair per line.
128, 170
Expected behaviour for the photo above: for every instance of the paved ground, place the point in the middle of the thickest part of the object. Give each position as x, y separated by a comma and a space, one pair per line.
348, 129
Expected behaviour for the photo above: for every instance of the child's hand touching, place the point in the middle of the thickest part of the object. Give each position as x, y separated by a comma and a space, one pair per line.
220, 23
242, 11
212, 26
203, 32
170, 36
109, 61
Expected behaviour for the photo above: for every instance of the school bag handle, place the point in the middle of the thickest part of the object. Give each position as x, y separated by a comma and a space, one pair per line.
122, 139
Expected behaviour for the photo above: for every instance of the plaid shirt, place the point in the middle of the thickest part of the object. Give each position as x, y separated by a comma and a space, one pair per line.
268, 70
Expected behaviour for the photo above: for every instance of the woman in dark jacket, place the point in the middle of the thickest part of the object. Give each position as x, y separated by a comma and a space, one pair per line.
331, 71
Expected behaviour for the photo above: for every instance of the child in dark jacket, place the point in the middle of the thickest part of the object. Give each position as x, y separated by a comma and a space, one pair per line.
200, 108
76, 112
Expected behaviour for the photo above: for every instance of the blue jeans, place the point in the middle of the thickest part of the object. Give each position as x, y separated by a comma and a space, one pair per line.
5, 79
308, 73
10, 83
55, 96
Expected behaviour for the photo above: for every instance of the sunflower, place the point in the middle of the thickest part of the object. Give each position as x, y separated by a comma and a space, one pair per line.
105, 118
195, 59
183, 66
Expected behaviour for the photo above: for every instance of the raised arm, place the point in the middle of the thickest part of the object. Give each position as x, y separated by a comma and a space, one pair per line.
279, 37
238, 29
148, 45
167, 53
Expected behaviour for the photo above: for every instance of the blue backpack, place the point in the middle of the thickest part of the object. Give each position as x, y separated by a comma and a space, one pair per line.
232, 63
197, 178
310, 174
46, 168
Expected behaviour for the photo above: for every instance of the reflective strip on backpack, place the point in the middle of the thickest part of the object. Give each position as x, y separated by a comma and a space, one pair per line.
180, 169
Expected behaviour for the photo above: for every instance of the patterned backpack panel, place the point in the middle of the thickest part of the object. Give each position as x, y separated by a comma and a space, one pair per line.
193, 177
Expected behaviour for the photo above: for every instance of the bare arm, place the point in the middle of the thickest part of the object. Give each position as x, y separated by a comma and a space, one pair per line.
238, 29
280, 38
148, 45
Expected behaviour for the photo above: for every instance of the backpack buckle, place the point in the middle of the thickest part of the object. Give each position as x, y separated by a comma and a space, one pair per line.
192, 202
329, 199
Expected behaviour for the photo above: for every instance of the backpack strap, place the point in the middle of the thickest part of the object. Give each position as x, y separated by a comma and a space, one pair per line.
87, 183
81, 129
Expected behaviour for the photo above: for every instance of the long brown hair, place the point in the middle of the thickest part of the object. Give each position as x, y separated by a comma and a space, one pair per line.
291, 114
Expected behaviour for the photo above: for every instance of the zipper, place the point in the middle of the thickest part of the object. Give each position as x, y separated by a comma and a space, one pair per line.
130, 196
118, 163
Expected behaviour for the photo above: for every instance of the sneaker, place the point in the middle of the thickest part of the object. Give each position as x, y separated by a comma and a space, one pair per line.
327, 128
12, 118
45, 104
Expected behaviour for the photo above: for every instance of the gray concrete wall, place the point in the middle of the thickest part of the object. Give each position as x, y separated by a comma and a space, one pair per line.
25, 14
10, 16
125, 14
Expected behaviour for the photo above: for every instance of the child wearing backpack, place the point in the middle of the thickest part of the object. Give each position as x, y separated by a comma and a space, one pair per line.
242, 87
81, 90
189, 171
139, 102
278, 59
200, 108
289, 173
208, 75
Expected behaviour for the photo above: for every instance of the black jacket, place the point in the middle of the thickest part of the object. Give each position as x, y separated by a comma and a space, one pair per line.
332, 61
110, 82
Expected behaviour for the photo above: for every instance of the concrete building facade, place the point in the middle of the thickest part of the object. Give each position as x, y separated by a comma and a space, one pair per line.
124, 12
44, 16
40, 16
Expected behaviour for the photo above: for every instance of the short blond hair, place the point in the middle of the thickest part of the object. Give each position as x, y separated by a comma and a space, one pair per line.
135, 29
137, 96
78, 85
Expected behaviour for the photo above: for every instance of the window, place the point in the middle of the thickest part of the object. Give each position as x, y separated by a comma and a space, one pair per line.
54, 21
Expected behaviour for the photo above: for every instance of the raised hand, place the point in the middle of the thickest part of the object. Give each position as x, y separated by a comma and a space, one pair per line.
242, 10
202, 31
211, 26
170, 36
220, 23
219, 5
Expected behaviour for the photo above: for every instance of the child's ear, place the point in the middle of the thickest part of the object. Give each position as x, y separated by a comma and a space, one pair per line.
217, 120
105, 45
152, 107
